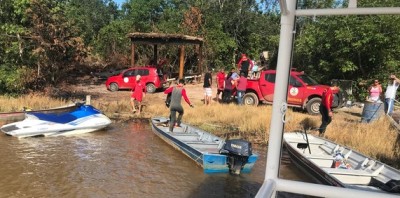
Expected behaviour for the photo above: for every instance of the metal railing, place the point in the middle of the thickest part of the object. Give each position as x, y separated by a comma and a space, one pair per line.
272, 183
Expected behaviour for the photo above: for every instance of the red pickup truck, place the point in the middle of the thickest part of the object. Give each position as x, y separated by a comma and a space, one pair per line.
303, 92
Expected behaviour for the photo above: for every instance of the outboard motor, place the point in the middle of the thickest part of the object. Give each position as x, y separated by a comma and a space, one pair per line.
238, 152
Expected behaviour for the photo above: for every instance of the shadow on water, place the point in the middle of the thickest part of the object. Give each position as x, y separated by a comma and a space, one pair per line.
226, 186
247, 185
233, 186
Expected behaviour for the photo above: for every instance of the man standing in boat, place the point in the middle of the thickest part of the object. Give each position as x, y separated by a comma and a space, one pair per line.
177, 93
390, 94
326, 109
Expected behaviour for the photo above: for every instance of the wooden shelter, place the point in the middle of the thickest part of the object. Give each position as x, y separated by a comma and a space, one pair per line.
156, 39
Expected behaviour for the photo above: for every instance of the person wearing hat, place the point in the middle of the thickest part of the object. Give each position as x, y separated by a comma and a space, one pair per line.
177, 93
390, 94
137, 94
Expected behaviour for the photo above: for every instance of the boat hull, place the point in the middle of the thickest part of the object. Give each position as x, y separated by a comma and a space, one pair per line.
311, 169
318, 158
208, 157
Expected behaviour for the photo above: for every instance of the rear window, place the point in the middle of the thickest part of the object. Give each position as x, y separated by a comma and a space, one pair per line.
135, 72
270, 78
144, 72
293, 81
308, 80
130, 73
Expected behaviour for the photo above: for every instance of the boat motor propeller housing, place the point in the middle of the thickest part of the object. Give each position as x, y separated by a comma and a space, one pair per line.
238, 152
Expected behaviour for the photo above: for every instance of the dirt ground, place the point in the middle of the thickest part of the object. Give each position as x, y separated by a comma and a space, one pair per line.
98, 91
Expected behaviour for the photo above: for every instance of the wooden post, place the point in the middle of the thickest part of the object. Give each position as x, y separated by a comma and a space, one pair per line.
181, 61
132, 54
88, 98
200, 64
155, 55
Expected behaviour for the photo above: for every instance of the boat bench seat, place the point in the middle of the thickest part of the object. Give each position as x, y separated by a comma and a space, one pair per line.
310, 142
327, 157
202, 142
183, 134
339, 171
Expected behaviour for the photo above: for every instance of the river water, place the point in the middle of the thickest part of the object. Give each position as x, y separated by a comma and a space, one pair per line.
124, 160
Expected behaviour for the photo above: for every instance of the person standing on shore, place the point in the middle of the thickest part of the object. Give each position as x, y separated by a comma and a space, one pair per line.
177, 93
228, 87
207, 87
390, 94
220, 83
326, 110
375, 91
241, 88
138, 92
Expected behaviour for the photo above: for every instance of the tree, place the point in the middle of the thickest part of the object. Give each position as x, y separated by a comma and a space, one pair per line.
90, 16
358, 48
13, 48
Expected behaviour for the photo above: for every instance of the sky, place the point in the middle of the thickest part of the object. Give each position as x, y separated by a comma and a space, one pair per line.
119, 2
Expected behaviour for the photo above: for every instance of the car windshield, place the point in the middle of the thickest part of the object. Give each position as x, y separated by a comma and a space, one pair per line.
308, 80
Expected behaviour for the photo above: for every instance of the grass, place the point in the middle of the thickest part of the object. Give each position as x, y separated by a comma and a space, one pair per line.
377, 139
11, 104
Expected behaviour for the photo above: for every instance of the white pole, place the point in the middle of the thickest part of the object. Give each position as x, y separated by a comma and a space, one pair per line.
327, 191
88, 100
280, 94
348, 11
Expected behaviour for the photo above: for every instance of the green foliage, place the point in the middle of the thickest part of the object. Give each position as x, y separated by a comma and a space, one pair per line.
112, 39
90, 16
357, 48
144, 14
41, 40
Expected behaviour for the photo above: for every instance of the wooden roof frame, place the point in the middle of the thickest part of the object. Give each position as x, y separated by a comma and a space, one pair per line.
156, 39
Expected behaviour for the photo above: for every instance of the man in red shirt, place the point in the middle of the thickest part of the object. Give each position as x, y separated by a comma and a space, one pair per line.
138, 92
326, 110
220, 82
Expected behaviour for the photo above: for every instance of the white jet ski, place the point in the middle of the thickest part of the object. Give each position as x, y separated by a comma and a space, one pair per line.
83, 119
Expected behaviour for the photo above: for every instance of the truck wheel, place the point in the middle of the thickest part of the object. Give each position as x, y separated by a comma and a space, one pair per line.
250, 99
150, 88
313, 106
114, 87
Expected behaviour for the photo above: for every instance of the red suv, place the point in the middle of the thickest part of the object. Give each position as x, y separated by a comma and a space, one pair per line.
152, 76
303, 91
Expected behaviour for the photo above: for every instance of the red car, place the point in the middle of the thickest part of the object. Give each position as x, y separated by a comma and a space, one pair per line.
151, 76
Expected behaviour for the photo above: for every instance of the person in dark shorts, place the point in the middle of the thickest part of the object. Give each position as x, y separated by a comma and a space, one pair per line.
326, 109
245, 65
177, 93
228, 87
207, 88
